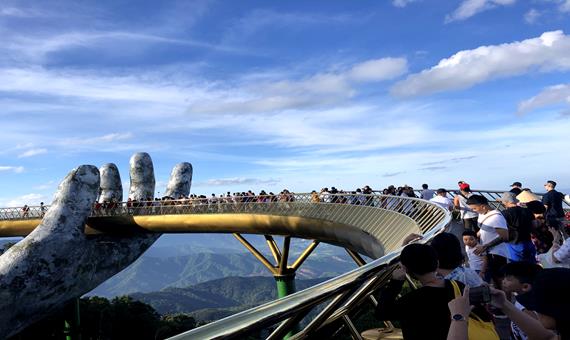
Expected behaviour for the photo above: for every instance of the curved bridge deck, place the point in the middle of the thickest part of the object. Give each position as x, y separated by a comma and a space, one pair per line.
373, 225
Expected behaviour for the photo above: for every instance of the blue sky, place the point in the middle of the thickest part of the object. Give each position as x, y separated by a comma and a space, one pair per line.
286, 94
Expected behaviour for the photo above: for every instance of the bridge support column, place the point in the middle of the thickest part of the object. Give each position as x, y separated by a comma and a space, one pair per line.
285, 284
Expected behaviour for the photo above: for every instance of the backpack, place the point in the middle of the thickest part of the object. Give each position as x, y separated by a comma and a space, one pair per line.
477, 328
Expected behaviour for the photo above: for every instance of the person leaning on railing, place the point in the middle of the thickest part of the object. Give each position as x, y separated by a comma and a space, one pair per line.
468, 216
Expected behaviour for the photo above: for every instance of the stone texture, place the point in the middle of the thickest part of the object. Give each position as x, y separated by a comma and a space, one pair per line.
142, 177
57, 261
111, 186
180, 180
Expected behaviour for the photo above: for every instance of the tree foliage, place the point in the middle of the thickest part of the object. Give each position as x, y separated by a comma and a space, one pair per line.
101, 319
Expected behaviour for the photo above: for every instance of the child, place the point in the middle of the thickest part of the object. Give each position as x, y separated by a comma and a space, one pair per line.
476, 262
518, 280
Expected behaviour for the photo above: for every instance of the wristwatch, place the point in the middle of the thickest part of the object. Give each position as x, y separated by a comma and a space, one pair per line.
457, 317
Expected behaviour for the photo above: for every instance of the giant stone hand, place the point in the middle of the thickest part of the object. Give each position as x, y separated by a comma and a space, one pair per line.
58, 261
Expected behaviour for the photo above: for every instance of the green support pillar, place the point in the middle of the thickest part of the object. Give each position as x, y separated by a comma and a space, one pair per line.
72, 330
285, 284
67, 330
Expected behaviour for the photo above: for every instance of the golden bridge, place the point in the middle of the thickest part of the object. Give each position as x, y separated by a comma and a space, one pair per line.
370, 225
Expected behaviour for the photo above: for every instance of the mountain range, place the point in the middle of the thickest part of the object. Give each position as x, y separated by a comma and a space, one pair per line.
209, 257
216, 299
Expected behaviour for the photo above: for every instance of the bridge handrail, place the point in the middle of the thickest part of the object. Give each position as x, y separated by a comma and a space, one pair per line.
34, 212
344, 290
246, 204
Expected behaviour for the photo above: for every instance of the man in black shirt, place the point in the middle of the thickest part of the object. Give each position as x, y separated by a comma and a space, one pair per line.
519, 222
552, 201
422, 313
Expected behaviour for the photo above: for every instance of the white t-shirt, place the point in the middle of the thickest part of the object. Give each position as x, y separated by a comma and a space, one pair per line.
488, 223
475, 261
444, 202
563, 254
464, 209
427, 194
517, 332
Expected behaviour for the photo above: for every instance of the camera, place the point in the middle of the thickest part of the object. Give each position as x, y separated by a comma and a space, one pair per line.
479, 295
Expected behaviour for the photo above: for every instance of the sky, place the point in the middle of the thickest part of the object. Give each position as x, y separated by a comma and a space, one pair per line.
286, 94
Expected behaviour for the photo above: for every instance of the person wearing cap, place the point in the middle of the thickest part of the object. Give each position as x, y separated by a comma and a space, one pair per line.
494, 233
519, 222
516, 188
552, 201
549, 298
468, 216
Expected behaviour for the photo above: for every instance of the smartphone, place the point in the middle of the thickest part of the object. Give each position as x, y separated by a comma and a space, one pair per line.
479, 295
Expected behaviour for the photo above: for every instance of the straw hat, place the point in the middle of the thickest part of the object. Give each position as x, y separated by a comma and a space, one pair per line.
527, 196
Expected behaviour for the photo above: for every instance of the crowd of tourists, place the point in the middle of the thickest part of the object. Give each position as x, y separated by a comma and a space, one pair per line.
512, 262
512, 259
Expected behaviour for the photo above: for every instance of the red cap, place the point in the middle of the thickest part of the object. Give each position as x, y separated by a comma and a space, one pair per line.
463, 186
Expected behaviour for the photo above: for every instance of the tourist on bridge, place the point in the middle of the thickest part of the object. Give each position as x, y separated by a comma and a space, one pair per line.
426, 194
516, 188
422, 313
552, 201
450, 261
442, 200
468, 216
477, 262
519, 222
550, 300
493, 234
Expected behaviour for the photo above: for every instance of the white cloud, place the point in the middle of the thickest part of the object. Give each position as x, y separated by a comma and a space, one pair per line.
553, 95
97, 141
321, 89
549, 52
16, 169
20, 12
46, 186
532, 15
378, 69
32, 199
563, 5
402, 3
469, 8
89, 86
32, 152
37, 48
237, 181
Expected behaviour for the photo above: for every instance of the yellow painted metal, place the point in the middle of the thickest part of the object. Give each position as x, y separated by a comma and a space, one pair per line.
193, 223
264, 224
356, 257
282, 269
299, 261
256, 253
273, 247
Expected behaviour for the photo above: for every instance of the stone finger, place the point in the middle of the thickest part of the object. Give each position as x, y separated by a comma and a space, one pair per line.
142, 177
180, 180
111, 188
72, 203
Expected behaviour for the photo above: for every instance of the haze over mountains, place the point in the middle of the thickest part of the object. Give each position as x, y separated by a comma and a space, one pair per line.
216, 299
184, 260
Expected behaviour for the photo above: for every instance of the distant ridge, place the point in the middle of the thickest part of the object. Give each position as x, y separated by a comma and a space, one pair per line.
215, 299
150, 274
